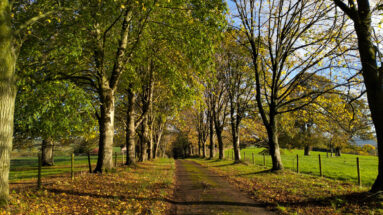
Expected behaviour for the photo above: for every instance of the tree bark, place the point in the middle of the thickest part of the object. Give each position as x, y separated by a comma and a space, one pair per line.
8, 58
199, 145
202, 132
211, 136
307, 150
130, 130
372, 74
220, 143
272, 132
204, 148
218, 131
144, 140
234, 133
338, 152
158, 139
106, 127
47, 147
150, 143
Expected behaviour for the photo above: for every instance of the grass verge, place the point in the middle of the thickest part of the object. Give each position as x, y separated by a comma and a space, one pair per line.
292, 193
143, 189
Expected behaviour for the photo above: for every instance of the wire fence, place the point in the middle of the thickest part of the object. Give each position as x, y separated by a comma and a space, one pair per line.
360, 170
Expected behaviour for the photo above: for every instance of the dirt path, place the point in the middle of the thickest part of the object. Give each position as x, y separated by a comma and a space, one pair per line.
200, 191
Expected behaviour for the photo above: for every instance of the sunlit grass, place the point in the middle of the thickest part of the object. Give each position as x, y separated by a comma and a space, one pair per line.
26, 167
341, 168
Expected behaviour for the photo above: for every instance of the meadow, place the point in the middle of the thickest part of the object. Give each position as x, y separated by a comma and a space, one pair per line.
340, 168
25, 167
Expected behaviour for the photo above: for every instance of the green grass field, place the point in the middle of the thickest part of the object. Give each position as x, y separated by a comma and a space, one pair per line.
26, 167
341, 168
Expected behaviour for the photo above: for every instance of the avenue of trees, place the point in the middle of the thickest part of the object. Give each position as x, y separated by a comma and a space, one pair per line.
204, 75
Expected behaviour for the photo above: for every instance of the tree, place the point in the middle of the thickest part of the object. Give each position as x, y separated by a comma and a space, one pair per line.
219, 112
54, 111
239, 83
279, 37
169, 60
96, 60
16, 19
360, 12
202, 129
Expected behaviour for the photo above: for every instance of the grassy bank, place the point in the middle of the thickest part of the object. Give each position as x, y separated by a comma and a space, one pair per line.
138, 190
292, 193
341, 168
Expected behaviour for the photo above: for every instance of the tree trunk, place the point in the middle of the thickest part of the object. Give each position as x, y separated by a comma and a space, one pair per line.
237, 150
158, 141
155, 150
372, 75
148, 141
47, 147
106, 127
220, 143
150, 144
204, 148
7, 97
218, 131
143, 140
272, 132
307, 150
234, 133
211, 136
338, 151
130, 129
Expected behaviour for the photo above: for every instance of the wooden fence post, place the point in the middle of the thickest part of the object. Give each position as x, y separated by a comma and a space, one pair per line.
89, 164
39, 164
297, 163
320, 166
253, 158
115, 159
72, 167
358, 169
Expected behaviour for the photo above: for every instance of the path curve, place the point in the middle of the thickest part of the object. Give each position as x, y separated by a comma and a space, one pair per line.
200, 191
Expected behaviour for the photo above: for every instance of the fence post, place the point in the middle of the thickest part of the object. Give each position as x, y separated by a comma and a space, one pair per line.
320, 166
39, 164
89, 164
72, 167
358, 168
297, 163
253, 158
264, 160
115, 159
